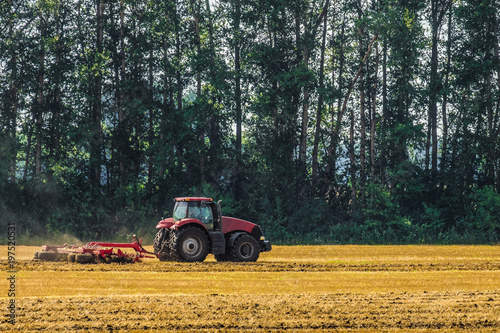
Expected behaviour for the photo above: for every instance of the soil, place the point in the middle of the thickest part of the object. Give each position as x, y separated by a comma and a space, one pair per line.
443, 311
445, 308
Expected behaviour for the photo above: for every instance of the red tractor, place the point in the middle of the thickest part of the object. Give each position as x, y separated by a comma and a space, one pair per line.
197, 228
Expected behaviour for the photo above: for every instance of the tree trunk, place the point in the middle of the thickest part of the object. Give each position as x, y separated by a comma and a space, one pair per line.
237, 75
444, 153
428, 143
13, 103
330, 168
122, 130
57, 98
290, 120
198, 45
305, 115
373, 120
40, 99
274, 85
95, 150
383, 161
28, 152
152, 117
438, 10
197, 17
237, 98
336, 131
319, 110
167, 102
497, 110
352, 159
178, 78
362, 153
303, 57
178, 55
490, 159
433, 89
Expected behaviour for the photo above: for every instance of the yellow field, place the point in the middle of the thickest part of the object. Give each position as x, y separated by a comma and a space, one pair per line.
324, 288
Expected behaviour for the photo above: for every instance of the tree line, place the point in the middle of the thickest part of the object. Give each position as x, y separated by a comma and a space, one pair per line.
341, 121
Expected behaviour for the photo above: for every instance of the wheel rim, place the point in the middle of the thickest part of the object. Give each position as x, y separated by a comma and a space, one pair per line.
192, 246
246, 250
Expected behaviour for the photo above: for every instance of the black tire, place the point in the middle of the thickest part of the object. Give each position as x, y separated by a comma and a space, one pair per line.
245, 249
162, 245
71, 257
189, 244
158, 241
35, 256
83, 258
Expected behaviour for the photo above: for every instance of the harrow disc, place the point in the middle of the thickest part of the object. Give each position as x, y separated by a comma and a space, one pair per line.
52, 256
83, 258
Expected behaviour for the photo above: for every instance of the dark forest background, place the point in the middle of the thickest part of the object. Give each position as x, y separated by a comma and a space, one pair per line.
325, 121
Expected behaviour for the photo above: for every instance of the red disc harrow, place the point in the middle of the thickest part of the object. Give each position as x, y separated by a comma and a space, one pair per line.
95, 252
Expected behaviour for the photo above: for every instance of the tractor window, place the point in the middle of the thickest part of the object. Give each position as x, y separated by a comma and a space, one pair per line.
203, 212
180, 210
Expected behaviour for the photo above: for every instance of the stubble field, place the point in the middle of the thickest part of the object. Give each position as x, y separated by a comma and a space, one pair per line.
293, 288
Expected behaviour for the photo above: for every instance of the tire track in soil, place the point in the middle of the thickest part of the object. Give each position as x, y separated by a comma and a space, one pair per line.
443, 311
156, 266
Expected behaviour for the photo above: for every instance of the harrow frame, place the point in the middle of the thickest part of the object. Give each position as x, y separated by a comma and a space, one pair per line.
95, 252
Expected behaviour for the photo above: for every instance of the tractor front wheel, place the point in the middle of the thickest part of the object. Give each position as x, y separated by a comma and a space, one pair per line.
161, 245
157, 242
245, 249
189, 244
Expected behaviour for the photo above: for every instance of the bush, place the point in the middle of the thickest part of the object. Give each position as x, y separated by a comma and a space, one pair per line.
484, 213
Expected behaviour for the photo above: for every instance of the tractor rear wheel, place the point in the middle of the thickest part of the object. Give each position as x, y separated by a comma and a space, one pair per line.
245, 249
189, 244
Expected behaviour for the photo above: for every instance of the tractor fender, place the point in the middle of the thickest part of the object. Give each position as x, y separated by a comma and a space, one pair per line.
233, 237
165, 223
184, 222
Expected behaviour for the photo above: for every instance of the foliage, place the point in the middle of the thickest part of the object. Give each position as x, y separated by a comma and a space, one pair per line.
109, 110
484, 211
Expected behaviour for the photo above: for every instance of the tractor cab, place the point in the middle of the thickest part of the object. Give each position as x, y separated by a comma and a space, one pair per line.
205, 211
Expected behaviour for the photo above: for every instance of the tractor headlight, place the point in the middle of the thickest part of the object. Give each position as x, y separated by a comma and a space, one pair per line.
262, 238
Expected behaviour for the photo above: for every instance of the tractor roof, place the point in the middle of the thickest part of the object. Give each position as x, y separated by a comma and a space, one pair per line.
193, 199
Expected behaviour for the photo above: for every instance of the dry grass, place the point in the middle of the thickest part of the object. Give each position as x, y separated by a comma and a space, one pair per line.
108, 283
323, 288
331, 312
349, 253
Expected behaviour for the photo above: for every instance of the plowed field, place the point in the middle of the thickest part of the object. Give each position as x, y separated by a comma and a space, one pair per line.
300, 288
